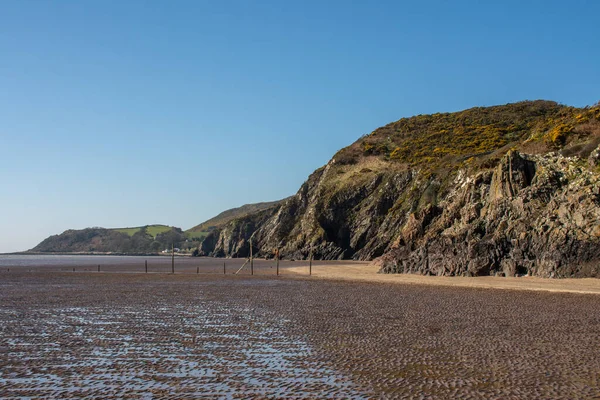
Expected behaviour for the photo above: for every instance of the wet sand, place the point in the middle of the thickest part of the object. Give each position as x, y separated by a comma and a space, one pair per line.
135, 335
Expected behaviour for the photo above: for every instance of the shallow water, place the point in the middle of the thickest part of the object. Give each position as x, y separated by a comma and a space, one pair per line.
34, 260
201, 349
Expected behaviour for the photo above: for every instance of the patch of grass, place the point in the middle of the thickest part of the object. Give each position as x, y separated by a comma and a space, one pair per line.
196, 236
152, 230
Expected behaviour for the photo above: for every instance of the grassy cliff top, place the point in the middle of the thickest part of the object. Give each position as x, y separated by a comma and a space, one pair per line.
152, 230
477, 134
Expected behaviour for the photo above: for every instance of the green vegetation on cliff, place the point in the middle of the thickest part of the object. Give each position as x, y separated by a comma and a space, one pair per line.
152, 230
477, 134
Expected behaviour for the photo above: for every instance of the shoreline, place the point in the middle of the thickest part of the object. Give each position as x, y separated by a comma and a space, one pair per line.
34, 253
265, 336
353, 271
364, 272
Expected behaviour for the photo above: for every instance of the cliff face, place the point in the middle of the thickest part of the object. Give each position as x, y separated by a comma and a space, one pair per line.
537, 215
502, 190
341, 212
233, 238
351, 221
203, 229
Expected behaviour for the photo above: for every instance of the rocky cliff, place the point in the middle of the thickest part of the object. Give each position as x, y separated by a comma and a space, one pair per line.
537, 215
233, 238
499, 190
203, 229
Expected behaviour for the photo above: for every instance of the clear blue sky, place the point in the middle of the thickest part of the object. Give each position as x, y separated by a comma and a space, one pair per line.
126, 113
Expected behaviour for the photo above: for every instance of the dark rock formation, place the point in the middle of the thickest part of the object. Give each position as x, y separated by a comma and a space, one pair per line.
233, 239
537, 215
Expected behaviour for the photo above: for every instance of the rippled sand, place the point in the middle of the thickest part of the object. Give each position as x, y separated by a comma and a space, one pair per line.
116, 335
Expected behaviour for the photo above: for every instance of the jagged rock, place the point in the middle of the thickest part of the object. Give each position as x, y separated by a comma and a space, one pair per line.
233, 239
594, 158
528, 224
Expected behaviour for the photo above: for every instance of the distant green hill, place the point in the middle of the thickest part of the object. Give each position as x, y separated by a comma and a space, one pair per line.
137, 240
202, 230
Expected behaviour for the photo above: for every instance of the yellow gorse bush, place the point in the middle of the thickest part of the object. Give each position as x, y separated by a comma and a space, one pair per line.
446, 138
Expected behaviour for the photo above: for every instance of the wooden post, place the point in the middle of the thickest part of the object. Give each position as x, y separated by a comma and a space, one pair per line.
242, 267
73, 269
277, 257
197, 270
173, 258
310, 257
224, 271
98, 267
146, 264
251, 259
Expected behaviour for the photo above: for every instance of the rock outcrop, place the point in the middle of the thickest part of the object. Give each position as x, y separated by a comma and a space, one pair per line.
485, 191
535, 215
233, 238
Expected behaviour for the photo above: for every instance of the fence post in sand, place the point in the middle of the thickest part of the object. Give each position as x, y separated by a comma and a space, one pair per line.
224, 271
73, 269
277, 258
146, 265
197, 270
251, 259
242, 267
98, 267
310, 257
173, 258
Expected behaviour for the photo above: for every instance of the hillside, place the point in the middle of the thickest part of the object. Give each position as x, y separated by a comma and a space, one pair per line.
203, 229
141, 240
152, 230
510, 189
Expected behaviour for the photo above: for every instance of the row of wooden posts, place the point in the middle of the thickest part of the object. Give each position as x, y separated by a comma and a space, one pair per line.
310, 258
250, 259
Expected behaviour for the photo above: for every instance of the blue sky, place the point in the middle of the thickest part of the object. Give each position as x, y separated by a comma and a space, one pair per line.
126, 113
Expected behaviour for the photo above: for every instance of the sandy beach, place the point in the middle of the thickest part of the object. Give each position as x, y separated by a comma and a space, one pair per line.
364, 272
114, 334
